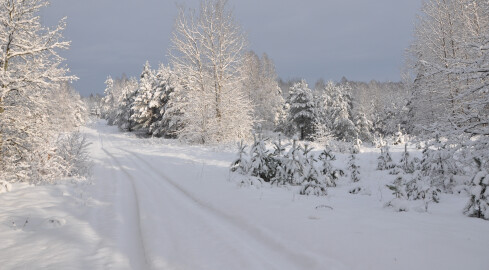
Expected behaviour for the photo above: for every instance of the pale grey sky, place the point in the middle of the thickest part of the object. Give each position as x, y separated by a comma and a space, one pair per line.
359, 39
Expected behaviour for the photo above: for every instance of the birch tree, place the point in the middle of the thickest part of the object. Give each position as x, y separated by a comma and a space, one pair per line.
206, 53
450, 66
260, 85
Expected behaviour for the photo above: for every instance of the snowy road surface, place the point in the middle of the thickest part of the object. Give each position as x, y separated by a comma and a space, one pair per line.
157, 204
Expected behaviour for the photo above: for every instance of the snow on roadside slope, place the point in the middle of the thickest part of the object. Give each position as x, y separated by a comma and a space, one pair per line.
157, 204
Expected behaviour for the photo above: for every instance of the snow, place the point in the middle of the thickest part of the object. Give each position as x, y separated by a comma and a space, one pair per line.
160, 204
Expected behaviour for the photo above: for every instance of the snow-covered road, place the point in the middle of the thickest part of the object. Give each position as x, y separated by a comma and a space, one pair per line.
167, 225
159, 204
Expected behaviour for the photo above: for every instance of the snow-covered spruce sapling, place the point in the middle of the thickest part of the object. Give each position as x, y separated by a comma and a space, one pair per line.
262, 163
398, 188
478, 205
329, 174
399, 136
290, 169
406, 164
241, 164
439, 165
420, 187
353, 168
312, 182
385, 159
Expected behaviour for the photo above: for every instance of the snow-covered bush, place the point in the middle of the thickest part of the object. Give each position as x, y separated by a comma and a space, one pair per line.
478, 205
73, 150
5, 186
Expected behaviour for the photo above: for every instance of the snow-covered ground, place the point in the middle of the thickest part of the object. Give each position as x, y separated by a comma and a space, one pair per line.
158, 204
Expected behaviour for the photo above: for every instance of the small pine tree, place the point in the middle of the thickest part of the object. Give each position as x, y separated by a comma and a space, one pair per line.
241, 164
478, 205
353, 168
398, 188
385, 159
312, 182
421, 188
290, 169
329, 174
438, 164
406, 164
261, 161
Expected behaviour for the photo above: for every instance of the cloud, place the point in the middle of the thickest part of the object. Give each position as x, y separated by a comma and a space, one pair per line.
359, 39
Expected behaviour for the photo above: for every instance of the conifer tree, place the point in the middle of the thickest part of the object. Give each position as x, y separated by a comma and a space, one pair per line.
385, 160
478, 205
312, 182
144, 110
301, 114
353, 168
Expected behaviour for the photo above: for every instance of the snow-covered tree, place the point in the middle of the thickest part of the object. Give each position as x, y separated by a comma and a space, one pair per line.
241, 164
363, 126
301, 113
108, 101
329, 174
449, 62
206, 53
421, 187
438, 164
399, 136
353, 168
124, 113
143, 108
167, 104
478, 205
385, 160
313, 182
261, 86
262, 162
335, 112
406, 164
30, 68
289, 170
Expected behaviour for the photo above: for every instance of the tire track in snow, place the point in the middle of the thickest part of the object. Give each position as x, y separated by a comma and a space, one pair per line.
137, 206
302, 261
